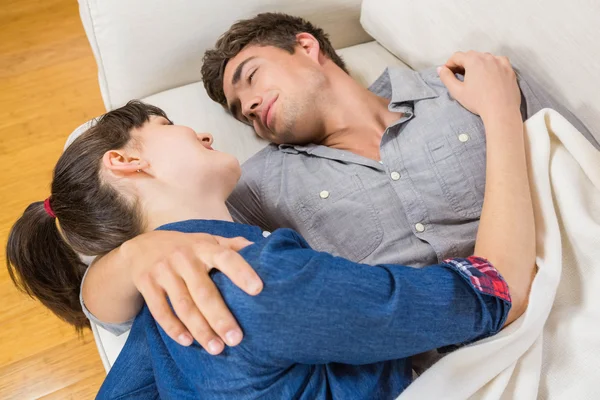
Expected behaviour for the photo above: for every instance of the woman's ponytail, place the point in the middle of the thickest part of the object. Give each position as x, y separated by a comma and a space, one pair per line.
84, 215
44, 266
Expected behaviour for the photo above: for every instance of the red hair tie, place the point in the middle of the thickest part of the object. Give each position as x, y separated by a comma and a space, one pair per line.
48, 208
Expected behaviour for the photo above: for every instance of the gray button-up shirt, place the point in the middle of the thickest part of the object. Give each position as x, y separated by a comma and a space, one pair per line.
420, 205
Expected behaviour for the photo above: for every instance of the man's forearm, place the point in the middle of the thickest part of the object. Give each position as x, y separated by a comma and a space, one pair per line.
108, 291
506, 233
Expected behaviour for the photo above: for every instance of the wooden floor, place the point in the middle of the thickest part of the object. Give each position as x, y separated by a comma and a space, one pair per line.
48, 86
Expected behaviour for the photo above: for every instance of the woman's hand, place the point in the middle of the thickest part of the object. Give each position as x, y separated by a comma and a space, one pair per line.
490, 83
176, 265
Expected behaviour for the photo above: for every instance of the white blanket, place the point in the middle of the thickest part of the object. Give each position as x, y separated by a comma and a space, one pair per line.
553, 350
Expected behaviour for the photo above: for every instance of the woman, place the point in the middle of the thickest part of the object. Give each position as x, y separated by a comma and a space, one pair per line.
323, 327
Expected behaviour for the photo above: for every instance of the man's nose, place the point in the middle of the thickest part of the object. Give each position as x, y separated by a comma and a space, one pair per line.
251, 107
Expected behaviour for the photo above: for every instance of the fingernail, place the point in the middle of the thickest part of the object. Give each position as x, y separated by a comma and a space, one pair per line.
438, 70
215, 346
185, 339
233, 337
254, 286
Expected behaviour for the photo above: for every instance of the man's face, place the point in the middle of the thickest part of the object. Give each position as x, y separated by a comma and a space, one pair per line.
276, 92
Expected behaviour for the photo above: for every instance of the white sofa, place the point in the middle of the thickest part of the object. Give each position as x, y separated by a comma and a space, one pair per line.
152, 50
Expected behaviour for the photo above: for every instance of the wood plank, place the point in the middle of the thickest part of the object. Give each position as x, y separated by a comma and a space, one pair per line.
81, 390
31, 24
52, 370
33, 331
48, 86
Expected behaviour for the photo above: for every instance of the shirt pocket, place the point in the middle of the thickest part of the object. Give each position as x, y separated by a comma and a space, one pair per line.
458, 159
340, 218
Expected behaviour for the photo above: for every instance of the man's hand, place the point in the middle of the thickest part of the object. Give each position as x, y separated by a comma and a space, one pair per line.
506, 234
176, 265
490, 83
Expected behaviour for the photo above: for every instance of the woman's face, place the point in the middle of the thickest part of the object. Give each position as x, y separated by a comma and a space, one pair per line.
181, 157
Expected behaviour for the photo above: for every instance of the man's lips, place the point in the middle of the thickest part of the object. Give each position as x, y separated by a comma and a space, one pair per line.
267, 114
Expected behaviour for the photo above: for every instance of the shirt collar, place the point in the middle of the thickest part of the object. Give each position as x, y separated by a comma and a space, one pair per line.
406, 85
215, 227
402, 86
331, 153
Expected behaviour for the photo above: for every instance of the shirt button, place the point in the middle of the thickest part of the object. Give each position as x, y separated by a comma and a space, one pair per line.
266, 234
420, 227
395, 175
324, 194
381, 162
463, 137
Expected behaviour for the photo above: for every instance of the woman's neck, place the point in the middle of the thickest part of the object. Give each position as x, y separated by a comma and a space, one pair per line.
167, 209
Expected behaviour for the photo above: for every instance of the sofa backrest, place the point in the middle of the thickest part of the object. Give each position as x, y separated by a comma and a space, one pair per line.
144, 47
556, 42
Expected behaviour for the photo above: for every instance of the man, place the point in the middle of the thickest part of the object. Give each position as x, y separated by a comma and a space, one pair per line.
394, 174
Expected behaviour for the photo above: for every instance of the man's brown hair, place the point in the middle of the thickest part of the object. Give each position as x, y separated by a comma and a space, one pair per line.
267, 29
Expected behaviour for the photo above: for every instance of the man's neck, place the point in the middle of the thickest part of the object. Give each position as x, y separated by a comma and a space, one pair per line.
356, 118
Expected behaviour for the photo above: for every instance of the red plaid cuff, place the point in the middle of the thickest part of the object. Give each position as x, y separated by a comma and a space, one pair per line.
482, 275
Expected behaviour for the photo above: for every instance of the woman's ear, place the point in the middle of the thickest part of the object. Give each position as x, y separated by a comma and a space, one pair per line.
119, 162
310, 45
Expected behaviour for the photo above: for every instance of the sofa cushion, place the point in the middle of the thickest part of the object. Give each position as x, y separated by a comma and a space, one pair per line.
555, 42
190, 105
148, 46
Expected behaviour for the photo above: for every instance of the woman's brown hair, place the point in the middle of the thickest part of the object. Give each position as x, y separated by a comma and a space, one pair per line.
92, 218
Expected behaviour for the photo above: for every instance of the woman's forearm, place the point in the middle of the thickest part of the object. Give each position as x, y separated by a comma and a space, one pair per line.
316, 308
108, 290
506, 235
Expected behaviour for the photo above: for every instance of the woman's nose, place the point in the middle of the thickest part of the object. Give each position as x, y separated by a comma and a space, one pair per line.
205, 138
